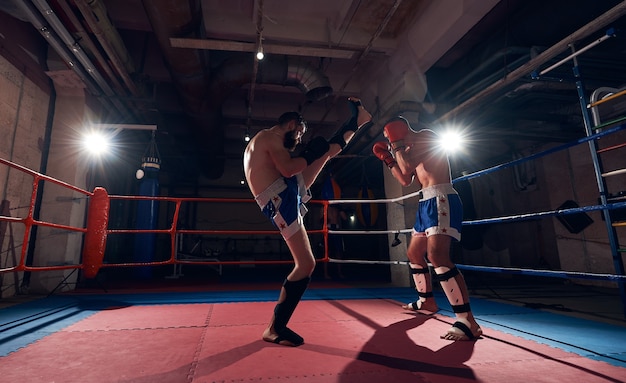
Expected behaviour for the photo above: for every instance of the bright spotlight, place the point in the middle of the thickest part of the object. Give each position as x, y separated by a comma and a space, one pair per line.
260, 55
451, 141
96, 143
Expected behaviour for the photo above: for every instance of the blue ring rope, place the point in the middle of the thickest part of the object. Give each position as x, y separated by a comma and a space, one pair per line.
540, 154
521, 217
544, 273
529, 216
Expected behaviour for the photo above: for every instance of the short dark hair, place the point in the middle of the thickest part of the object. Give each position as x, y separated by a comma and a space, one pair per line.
290, 116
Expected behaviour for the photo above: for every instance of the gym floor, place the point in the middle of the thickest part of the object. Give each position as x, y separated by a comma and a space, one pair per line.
177, 331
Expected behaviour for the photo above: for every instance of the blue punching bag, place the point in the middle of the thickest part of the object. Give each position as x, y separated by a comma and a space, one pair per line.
367, 213
330, 189
147, 214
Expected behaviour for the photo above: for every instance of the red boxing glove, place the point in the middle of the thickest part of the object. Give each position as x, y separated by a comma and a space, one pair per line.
396, 131
381, 150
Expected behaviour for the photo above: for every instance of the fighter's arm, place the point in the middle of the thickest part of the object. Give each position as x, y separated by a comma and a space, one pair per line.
405, 178
287, 166
382, 150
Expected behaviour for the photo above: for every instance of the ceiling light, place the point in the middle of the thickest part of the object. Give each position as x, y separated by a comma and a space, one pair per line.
259, 54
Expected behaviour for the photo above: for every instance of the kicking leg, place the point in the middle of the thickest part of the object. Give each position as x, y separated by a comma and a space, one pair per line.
359, 118
362, 116
423, 284
290, 296
453, 285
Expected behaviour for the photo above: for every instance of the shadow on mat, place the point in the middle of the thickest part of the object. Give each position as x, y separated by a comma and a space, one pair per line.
447, 361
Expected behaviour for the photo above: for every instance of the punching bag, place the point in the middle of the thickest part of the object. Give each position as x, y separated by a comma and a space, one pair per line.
367, 213
147, 215
330, 189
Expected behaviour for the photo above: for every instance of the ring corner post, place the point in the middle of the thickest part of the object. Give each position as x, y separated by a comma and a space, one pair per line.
96, 234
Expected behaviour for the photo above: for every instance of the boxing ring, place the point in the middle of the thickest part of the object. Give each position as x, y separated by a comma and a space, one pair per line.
97, 231
352, 336
212, 333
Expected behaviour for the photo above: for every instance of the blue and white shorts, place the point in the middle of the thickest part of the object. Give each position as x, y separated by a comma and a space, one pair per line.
440, 211
283, 203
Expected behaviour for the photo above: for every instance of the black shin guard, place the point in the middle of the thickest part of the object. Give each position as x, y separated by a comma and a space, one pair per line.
284, 309
337, 138
350, 125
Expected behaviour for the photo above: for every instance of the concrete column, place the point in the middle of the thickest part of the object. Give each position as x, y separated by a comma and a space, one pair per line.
396, 221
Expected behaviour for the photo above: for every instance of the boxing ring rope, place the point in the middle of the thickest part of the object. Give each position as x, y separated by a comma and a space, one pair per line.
513, 218
29, 221
96, 229
605, 207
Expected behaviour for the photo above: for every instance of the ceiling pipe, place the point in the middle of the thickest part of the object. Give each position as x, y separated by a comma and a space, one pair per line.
74, 47
204, 93
592, 27
234, 72
34, 17
97, 19
88, 44
173, 18
499, 56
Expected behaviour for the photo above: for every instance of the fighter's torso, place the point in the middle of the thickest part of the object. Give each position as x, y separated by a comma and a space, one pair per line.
259, 167
426, 158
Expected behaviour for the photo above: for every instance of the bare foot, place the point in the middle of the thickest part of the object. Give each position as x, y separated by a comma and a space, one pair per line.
286, 338
463, 329
428, 306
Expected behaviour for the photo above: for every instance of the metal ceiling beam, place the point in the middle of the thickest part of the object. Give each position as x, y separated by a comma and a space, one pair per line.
235, 46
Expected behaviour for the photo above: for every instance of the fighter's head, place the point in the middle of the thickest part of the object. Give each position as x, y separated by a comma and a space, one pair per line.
296, 127
396, 131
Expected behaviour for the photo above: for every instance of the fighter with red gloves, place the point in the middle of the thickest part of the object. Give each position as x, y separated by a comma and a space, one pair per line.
418, 155
280, 184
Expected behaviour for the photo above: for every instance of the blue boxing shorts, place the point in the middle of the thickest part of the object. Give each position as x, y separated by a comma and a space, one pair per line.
283, 203
440, 211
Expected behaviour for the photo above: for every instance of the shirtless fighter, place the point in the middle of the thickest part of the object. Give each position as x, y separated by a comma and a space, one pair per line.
417, 155
280, 184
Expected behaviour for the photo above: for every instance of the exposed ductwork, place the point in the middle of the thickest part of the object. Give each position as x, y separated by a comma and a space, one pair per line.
43, 18
203, 92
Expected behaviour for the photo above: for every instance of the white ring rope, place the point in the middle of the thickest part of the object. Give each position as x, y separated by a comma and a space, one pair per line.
386, 200
510, 270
